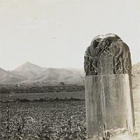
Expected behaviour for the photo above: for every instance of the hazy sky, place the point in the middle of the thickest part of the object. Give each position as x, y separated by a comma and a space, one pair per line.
56, 33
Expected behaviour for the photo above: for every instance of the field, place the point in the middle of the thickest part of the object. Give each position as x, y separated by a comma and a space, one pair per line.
50, 120
43, 120
43, 96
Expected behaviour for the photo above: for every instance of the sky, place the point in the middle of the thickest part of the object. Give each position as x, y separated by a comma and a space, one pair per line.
56, 33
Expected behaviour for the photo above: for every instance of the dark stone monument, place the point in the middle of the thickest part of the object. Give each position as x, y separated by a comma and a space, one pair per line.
109, 102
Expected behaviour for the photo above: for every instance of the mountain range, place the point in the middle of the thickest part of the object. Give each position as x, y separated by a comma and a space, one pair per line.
136, 76
30, 73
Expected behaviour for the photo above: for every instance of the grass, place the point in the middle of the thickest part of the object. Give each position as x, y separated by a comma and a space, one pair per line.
43, 120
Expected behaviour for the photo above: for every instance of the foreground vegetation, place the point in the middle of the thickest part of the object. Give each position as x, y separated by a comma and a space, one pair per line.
4, 89
52, 120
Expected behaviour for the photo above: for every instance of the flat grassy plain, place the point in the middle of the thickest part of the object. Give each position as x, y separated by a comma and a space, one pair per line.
44, 96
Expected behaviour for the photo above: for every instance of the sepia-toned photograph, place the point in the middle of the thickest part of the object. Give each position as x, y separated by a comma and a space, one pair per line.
69, 70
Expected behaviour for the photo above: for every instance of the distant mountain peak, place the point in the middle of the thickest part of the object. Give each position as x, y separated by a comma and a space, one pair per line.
34, 73
28, 66
2, 70
28, 62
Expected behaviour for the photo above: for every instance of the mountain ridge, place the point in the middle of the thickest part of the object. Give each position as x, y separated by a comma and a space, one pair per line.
32, 73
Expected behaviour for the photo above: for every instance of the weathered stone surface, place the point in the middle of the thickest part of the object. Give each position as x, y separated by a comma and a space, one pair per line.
107, 48
109, 102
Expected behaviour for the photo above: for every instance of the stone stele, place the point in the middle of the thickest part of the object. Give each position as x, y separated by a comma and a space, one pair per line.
108, 90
